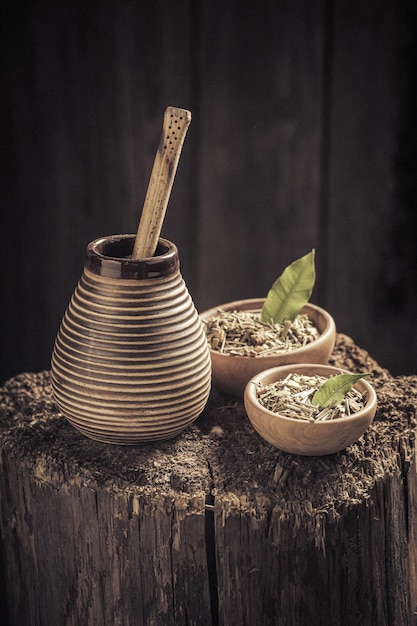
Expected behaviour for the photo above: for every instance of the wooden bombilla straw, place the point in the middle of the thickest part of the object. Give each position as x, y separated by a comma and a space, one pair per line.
175, 126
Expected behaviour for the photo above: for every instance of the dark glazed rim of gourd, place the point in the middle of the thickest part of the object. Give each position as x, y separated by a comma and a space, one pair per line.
110, 257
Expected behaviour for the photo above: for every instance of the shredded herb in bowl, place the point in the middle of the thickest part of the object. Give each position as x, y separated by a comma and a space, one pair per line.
278, 327
313, 398
242, 333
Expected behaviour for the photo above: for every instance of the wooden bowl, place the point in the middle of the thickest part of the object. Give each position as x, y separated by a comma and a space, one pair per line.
230, 374
299, 436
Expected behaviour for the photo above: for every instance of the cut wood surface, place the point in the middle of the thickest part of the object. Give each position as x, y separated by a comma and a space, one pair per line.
213, 527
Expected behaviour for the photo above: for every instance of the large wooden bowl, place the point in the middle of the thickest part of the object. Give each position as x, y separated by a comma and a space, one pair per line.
299, 436
230, 374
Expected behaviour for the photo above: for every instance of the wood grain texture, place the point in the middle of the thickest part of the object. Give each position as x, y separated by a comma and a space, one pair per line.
214, 527
303, 136
360, 161
261, 121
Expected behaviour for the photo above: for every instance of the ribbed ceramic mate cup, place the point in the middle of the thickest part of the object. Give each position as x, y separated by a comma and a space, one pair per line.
130, 363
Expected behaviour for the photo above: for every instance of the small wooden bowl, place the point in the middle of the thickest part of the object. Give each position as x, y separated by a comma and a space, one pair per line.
299, 436
230, 374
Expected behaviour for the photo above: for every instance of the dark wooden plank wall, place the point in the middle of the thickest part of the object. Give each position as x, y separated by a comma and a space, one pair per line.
302, 136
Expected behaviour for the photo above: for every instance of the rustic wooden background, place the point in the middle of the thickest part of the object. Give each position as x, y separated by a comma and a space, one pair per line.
303, 135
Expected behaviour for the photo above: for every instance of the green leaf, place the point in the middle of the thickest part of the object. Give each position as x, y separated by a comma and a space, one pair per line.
334, 389
291, 291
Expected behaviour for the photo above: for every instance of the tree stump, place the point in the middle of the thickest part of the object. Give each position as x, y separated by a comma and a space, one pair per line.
213, 527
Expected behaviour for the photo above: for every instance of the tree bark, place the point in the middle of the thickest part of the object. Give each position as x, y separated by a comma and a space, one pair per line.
213, 527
